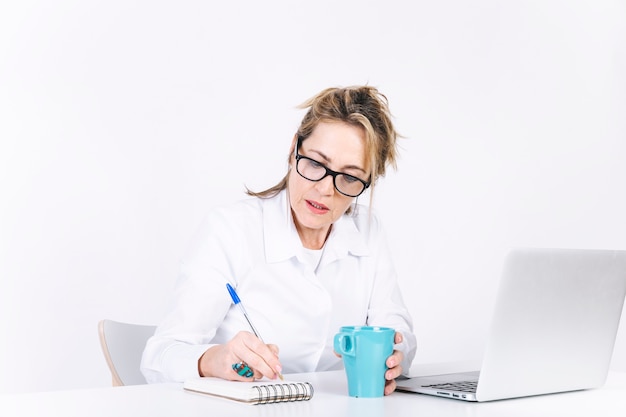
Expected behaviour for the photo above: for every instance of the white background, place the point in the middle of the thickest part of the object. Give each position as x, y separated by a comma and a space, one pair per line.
123, 122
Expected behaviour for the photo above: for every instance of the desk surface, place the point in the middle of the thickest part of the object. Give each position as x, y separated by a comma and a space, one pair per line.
330, 399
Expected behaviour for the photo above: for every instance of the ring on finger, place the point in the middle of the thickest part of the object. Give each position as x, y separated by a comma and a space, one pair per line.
243, 369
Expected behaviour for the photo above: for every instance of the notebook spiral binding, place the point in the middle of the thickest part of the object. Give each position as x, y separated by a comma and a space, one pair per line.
301, 391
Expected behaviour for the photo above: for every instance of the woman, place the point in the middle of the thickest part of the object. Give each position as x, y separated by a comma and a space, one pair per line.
302, 255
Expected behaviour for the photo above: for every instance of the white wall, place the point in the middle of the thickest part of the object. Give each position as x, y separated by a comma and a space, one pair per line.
122, 122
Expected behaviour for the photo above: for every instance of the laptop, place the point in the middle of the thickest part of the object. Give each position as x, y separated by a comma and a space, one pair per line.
553, 330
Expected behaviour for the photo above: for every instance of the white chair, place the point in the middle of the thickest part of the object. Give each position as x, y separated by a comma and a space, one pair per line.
122, 345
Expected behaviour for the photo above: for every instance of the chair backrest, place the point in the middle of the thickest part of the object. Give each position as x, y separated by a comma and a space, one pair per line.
123, 345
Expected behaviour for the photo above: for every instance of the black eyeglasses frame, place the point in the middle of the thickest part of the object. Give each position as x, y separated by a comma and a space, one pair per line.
329, 171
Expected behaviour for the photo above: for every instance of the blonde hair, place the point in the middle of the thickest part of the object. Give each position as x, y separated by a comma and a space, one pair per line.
361, 106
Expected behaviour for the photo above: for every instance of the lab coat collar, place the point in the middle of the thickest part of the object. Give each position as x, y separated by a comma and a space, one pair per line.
282, 241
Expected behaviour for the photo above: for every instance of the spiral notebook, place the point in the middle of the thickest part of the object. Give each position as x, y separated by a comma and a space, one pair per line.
263, 391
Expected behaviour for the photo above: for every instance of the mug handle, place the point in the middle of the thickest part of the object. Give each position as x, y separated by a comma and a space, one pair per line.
344, 344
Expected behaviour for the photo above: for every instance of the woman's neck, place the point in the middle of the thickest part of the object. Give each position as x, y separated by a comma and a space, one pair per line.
313, 238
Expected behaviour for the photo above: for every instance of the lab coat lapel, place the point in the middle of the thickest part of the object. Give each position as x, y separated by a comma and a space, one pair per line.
280, 234
344, 239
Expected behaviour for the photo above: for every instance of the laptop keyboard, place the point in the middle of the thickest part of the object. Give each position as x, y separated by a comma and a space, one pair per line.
463, 386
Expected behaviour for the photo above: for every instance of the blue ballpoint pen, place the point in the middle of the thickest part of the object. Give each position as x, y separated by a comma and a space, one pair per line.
237, 301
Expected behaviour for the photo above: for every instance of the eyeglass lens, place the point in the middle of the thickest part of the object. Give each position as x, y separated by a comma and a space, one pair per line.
314, 171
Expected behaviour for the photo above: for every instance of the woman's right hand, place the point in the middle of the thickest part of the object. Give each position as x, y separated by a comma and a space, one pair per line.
245, 347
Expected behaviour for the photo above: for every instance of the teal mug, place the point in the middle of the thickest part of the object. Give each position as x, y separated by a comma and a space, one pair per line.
365, 350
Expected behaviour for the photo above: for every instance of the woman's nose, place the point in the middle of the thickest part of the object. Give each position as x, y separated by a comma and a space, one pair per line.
326, 185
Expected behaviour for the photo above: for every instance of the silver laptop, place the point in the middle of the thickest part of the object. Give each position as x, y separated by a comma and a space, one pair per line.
553, 329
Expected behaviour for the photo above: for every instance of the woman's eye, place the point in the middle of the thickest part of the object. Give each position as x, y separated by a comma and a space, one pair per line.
315, 164
349, 179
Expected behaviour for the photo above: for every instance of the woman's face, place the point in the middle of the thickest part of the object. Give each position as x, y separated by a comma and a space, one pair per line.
317, 205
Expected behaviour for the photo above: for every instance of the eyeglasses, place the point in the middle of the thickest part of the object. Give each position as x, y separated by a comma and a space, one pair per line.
312, 170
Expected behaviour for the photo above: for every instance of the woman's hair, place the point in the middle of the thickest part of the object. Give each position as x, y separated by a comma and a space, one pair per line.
360, 106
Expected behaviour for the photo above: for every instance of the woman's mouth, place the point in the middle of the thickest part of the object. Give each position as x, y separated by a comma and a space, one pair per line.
317, 207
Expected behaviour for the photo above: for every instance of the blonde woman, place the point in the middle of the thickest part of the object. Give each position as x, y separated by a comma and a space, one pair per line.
303, 254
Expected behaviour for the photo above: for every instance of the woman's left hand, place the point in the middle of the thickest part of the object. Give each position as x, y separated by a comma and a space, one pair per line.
395, 369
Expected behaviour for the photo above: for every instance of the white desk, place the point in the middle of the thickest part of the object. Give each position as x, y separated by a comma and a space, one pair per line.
330, 399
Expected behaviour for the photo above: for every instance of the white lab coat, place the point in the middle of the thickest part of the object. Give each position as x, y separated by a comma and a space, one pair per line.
254, 246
